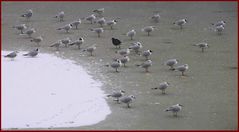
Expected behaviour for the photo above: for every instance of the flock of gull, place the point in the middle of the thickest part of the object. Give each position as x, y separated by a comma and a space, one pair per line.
97, 17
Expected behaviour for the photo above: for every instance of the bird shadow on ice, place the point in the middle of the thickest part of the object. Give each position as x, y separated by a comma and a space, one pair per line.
170, 116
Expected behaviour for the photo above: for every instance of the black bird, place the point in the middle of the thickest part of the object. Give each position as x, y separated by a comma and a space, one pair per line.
116, 42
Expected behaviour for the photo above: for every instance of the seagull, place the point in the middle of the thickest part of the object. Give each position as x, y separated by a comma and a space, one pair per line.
175, 109
145, 65
60, 15
78, 42
99, 11
115, 64
162, 86
111, 23
101, 21
180, 22
32, 53
76, 23
219, 29
67, 27
11, 55
97, 30
147, 53
131, 34
116, 42
148, 29
202, 45
127, 100
219, 23
57, 45
66, 41
171, 63
37, 40
181, 68
90, 18
29, 32
20, 27
156, 17
91, 49
125, 59
123, 51
28, 14
117, 95
136, 46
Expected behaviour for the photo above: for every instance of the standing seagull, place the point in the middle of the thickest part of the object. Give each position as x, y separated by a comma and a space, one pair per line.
29, 32
136, 46
37, 40
28, 14
180, 22
90, 18
171, 63
66, 41
125, 59
219, 29
175, 109
101, 21
202, 45
11, 55
57, 45
145, 65
147, 53
148, 29
117, 95
115, 64
76, 23
60, 16
91, 49
116, 42
162, 87
127, 100
219, 23
111, 23
99, 11
78, 42
131, 34
20, 27
97, 30
66, 28
123, 51
156, 17
32, 53
181, 68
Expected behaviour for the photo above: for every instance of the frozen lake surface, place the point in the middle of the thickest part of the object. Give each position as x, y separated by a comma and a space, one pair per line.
47, 91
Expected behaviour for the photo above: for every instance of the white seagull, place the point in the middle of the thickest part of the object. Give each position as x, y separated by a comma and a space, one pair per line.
37, 40
128, 100
67, 27
116, 95
182, 68
60, 16
20, 27
162, 87
28, 14
97, 30
148, 29
202, 45
131, 34
180, 22
175, 109
76, 23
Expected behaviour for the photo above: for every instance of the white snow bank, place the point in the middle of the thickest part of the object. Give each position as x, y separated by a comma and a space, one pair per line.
47, 91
